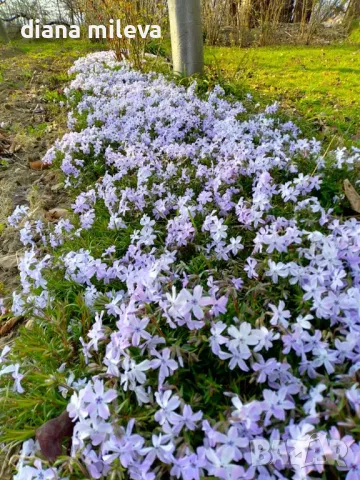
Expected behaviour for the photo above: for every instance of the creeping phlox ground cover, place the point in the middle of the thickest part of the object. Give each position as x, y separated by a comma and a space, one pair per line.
203, 300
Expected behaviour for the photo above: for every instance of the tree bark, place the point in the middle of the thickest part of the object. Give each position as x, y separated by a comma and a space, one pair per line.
287, 15
303, 11
353, 11
186, 36
3, 32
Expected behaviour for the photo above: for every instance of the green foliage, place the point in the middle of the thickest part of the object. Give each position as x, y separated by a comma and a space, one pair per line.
37, 130
42, 346
319, 86
354, 36
156, 48
322, 85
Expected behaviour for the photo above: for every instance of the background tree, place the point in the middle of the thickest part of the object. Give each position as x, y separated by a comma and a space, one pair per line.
186, 36
16, 13
353, 11
3, 32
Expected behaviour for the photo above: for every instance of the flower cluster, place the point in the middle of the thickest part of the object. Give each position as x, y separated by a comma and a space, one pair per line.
224, 292
8, 368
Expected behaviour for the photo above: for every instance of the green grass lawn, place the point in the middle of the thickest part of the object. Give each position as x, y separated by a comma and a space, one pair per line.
319, 84
41, 48
354, 36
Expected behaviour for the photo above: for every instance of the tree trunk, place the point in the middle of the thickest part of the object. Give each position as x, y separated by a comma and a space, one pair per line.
303, 11
287, 14
353, 11
3, 32
186, 36
246, 13
254, 13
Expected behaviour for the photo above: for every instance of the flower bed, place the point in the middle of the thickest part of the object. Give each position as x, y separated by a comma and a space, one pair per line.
207, 284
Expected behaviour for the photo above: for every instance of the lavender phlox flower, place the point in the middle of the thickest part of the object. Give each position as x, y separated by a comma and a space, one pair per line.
126, 446
26, 235
37, 472
86, 347
96, 399
243, 337
187, 419
94, 463
250, 268
210, 434
13, 369
76, 406
353, 396
277, 270
186, 302
162, 360
233, 442
280, 316
238, 283
161, 448
218, 305
352, 461
303, 322
236, 357
314, 397
97, 430
325, 357
112, 307
275, 404
138, 331
221, 466
168, 403
217, 339
96, 333
4, 353
266, 339
190, 466
235, 245
18, 214
109, 251
134, 373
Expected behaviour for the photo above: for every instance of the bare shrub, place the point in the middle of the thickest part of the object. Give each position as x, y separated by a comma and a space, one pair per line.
352, 12
215, 13
138, 12
315, 13
270, 13
237, 21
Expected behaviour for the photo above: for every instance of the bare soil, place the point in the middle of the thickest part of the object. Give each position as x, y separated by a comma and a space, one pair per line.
29, 125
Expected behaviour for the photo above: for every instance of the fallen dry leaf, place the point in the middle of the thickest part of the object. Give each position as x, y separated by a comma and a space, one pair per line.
6, 327
51, 435
39, 165
8, 262
55, 214
352, 196
14, 147
4, 145
30, 323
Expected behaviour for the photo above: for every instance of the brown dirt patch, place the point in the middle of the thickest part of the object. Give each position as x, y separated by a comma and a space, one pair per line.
29, 125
